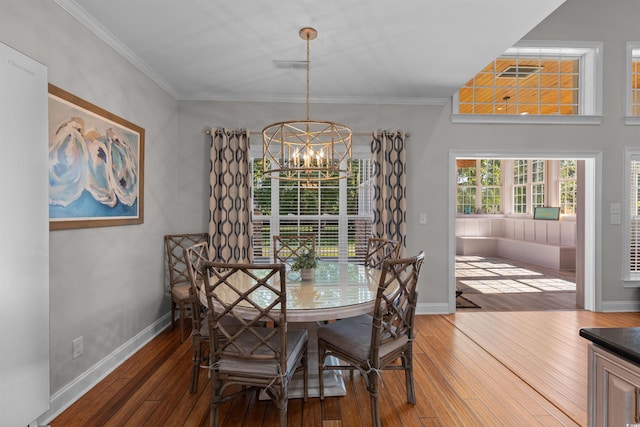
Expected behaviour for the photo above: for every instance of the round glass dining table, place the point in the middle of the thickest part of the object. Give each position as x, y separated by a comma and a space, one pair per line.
337, 290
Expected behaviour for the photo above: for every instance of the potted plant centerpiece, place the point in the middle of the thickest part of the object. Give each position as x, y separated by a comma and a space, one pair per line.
305, 262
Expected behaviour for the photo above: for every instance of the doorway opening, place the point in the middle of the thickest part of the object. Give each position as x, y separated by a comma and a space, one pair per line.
587, 232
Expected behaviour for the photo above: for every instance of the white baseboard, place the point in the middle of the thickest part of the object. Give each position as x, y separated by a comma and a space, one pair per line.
78, 387
620, 306
430, 308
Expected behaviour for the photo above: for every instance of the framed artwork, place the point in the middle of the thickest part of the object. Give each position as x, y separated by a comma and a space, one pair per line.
552, 214
96, 165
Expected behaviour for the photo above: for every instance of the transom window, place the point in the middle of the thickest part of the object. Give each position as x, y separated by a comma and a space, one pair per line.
547, 80
524, 85
633, 83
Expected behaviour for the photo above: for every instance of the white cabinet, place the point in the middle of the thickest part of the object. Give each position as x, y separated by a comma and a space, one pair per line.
24, 227
614, 389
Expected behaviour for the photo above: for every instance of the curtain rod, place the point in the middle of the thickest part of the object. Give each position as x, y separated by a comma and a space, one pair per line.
355, 134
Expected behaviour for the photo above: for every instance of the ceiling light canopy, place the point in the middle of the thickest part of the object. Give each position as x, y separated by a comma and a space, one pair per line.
306, 150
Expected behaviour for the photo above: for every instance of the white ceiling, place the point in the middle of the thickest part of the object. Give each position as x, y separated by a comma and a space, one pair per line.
416, 52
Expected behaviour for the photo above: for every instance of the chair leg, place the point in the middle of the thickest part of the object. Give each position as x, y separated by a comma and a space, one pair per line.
408, 373
284, 407
305, 372
373, 391
215, 399
195, 368
173, 314
321, 370
182, 315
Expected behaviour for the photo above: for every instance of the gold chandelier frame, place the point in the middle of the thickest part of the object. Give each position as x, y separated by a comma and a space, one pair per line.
307, 150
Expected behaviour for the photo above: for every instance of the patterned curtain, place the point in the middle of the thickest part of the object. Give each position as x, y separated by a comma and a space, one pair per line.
230, 196
389, 186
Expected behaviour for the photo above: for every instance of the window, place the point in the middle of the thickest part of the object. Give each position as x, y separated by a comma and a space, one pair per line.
632, 215
528, 185
337, 212
535, 82
520, 186
485, 197
483, 183
567, 187
632, 87
537, 184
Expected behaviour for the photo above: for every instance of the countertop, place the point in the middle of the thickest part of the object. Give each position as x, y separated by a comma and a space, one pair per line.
624, 342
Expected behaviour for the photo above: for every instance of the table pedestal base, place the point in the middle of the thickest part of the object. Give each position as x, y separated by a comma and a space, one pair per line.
333, 381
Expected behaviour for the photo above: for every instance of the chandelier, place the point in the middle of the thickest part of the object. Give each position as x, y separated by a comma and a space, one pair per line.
306, 150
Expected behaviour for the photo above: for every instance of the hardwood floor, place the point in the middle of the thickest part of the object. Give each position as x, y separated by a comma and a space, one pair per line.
502, 284
471, 369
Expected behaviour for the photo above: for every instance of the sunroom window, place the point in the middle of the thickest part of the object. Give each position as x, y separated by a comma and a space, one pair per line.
535, 82
479, 186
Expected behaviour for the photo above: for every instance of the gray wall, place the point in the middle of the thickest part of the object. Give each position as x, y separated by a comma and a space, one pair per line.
109, 284
106, 284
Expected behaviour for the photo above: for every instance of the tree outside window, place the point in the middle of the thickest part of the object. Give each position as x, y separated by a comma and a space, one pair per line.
568, 187
480, 187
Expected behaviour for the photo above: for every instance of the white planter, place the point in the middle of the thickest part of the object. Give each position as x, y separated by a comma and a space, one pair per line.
307, 273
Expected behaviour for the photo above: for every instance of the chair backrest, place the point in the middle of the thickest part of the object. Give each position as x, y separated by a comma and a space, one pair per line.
175, 245
287, 247
380, 250
252, 295
195, 256
394, 311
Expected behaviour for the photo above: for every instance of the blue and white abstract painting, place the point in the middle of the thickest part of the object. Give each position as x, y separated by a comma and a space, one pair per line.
93, 165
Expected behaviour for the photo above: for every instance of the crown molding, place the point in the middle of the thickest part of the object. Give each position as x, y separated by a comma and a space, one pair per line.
81, 15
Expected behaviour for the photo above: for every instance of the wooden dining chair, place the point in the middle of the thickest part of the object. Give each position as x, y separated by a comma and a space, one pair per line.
380, 250
252, 355
371, 343
285, 248
178, 275
195, 256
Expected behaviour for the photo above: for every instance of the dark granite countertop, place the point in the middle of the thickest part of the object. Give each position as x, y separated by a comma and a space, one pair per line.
624, 342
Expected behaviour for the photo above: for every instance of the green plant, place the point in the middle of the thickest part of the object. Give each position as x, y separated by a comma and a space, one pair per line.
305, 260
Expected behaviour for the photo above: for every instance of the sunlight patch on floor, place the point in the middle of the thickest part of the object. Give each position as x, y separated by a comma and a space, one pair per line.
491, 276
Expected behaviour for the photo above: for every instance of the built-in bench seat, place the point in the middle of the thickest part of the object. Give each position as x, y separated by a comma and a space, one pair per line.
549, 244
547, 255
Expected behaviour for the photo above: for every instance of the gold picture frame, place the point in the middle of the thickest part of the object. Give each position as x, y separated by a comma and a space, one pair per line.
96, 165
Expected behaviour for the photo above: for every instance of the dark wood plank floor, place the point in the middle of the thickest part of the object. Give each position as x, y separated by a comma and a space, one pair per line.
472, 369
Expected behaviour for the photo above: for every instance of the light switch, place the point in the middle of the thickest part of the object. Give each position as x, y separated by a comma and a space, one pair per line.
616, 219
615, 208
423, 218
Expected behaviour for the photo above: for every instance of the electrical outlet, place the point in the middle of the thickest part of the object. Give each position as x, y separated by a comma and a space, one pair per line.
78, 347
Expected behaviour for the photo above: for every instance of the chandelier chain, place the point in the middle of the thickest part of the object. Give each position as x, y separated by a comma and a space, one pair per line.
308, 75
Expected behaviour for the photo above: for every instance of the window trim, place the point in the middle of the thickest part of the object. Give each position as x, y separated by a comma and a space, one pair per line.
590, 71
629, 118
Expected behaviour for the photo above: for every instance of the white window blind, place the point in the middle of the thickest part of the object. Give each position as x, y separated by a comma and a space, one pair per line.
631, 212
337, 212
634, 216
